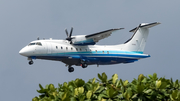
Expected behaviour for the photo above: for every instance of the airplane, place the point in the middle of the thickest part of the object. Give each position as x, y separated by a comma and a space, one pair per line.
80, 50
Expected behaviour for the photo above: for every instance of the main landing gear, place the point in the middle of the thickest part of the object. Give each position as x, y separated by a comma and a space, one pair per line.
84, 65
70, 69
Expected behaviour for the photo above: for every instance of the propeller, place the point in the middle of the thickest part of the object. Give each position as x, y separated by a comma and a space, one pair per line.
69, 38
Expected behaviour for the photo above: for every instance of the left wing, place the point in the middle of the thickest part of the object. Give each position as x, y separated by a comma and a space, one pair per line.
101, 35
93, 38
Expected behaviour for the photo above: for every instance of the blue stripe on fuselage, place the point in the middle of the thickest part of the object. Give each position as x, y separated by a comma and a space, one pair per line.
93, 57
102, 54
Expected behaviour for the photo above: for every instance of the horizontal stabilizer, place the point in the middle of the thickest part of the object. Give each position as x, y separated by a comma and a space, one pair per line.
145, 25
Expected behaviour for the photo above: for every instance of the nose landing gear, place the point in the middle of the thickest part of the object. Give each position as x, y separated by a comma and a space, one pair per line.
31, 62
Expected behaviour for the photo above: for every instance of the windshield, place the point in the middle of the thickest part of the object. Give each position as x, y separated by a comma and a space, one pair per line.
37, 43
31, 44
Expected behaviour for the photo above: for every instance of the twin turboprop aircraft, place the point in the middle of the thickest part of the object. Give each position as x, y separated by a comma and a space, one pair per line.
81, 50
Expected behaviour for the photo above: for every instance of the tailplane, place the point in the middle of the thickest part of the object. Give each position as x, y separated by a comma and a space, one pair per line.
138, 41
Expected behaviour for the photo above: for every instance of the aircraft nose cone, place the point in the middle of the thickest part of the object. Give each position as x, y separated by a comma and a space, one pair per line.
27, 51
22, 52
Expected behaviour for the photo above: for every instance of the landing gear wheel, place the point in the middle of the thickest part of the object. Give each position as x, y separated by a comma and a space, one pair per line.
31, 62
70, 69
84, 65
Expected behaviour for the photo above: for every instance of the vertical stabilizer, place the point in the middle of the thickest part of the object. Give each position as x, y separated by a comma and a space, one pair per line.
138, 41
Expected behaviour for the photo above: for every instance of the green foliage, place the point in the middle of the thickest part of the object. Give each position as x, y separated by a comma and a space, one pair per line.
144, 88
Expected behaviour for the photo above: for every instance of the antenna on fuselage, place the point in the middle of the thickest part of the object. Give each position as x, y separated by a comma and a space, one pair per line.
37, 38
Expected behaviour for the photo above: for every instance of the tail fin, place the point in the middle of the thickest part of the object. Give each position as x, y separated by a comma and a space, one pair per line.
138, 41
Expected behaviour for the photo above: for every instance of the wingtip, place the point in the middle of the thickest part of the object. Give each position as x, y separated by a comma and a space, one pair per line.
158, 22
119, 28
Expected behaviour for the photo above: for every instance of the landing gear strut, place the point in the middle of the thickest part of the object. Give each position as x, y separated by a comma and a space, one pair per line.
70, 69
31, 62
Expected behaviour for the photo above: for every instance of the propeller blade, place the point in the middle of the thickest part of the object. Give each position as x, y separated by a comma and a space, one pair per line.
66, 32
71, 32
69, 35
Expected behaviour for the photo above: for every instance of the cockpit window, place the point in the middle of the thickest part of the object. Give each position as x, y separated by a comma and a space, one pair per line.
37, 43
31, 44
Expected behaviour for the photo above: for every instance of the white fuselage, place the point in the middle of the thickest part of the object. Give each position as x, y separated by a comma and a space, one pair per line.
62, 50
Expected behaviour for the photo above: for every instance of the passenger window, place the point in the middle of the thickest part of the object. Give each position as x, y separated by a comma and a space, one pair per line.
108, 52
103, 51
80, 49
71, 48
76, 49
66, 48
61, 47
56, 47
96, 51
86, 50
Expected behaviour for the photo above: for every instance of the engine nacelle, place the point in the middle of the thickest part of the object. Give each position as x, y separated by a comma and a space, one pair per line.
82, 40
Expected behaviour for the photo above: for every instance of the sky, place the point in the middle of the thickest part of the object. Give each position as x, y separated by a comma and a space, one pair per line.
22, 21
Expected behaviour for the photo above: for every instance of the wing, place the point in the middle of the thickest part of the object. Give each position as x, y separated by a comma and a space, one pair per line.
93, 38
101, 35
